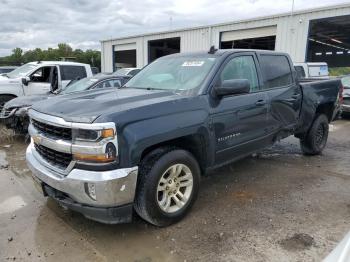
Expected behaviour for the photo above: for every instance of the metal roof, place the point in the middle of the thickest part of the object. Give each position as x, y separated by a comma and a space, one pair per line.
285, 14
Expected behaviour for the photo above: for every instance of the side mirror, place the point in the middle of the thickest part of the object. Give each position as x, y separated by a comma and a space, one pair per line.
233, 87
25, 80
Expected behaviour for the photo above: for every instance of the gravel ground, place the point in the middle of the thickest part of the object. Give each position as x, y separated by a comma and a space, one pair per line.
276, 206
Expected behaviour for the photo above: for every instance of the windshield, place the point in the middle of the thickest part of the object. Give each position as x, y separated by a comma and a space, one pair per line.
21, 71
81, 85
346, 81
173, 73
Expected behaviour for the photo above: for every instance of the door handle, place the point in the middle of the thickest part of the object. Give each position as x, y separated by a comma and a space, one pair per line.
260, 103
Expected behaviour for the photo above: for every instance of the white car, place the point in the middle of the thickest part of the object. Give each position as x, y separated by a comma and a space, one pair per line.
127, 71
39, 78
317, 70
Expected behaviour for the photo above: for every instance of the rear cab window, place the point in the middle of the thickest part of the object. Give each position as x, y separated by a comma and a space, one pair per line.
276, 71
70, 72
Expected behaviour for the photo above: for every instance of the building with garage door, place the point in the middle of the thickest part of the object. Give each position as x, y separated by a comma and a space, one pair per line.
315, 35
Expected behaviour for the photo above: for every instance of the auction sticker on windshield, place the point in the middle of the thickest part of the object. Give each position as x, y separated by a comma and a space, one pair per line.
193, 63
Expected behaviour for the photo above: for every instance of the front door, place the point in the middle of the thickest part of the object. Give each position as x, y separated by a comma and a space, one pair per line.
239, 121
39, 81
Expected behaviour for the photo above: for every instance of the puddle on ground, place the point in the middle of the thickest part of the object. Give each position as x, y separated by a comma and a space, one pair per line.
12, 204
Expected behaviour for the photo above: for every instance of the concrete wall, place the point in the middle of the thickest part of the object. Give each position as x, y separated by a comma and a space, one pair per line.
291, 36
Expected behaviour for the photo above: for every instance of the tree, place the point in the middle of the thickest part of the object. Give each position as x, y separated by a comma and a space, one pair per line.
17, 57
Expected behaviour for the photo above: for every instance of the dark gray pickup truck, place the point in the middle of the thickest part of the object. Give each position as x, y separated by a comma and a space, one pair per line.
144, 147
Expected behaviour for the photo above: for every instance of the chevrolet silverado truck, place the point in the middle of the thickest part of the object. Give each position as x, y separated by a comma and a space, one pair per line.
39, 78
14, 112
144, 147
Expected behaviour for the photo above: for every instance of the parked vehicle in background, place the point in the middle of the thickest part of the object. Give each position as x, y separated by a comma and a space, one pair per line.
95, 70
7, 69
15, 111
345, 107
39, 78
312, 70
131, 71
145, 147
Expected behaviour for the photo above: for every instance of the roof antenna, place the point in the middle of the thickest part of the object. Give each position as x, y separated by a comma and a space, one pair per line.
212, 50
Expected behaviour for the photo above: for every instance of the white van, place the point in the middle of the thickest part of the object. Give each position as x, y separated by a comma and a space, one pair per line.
39, 78
317, 70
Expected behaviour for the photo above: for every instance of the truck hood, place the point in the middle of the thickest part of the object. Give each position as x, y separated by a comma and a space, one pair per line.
26, 101
5, 80
88, 106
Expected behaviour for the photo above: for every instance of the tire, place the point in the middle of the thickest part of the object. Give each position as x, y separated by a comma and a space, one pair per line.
162, 165
316, 139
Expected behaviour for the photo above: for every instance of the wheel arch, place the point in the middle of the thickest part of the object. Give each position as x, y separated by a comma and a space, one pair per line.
195, 144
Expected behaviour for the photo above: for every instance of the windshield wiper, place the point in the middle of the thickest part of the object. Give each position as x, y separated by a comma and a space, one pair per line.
144, 88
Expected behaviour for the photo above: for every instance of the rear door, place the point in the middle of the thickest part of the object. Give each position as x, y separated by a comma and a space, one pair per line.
239, 120
284, 93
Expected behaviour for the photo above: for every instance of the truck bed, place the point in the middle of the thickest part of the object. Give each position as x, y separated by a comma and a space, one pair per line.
322, 95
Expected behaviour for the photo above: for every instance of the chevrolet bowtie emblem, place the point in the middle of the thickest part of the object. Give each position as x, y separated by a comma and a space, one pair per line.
37, 139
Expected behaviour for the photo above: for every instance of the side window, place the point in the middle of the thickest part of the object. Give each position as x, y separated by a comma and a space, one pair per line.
134, 72
41, 75
276, 71
72, 72
108, 83
300, 72
116, 83
242, 67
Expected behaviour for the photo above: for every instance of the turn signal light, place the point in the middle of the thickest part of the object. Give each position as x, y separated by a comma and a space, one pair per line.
105, 158
105, 133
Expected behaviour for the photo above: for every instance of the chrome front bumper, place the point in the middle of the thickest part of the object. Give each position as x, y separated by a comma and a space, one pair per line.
113, 188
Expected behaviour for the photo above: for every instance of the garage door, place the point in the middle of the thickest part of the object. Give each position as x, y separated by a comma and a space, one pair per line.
127, 46
248, 33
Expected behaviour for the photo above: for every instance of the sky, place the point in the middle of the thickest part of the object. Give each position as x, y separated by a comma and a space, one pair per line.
83, 23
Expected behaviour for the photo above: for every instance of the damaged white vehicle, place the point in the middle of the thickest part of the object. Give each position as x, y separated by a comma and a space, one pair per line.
39, 78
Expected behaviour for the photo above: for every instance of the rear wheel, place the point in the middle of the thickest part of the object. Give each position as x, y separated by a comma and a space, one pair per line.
316, 139
168, 185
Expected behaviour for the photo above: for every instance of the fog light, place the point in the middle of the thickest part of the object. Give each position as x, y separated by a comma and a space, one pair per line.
90, 190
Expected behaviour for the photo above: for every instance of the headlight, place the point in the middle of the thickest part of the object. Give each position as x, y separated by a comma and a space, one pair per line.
92, 135
103, 142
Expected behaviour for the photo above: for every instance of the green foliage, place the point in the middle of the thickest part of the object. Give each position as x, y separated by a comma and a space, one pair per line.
63, 51
338, 71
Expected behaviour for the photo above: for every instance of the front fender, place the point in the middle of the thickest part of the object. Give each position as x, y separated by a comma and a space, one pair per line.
141, 135
11, 88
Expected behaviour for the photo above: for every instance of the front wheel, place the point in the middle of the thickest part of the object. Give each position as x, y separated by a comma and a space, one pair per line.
168, 185
316, 139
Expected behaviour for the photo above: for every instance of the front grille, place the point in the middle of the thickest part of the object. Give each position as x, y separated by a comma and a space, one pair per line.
53, 131
4, 112
55, 158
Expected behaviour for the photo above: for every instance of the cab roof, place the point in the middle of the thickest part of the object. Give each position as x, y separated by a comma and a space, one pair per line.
56, 63
221, 52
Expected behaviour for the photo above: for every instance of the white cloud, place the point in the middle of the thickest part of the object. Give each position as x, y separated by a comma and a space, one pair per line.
82, 23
